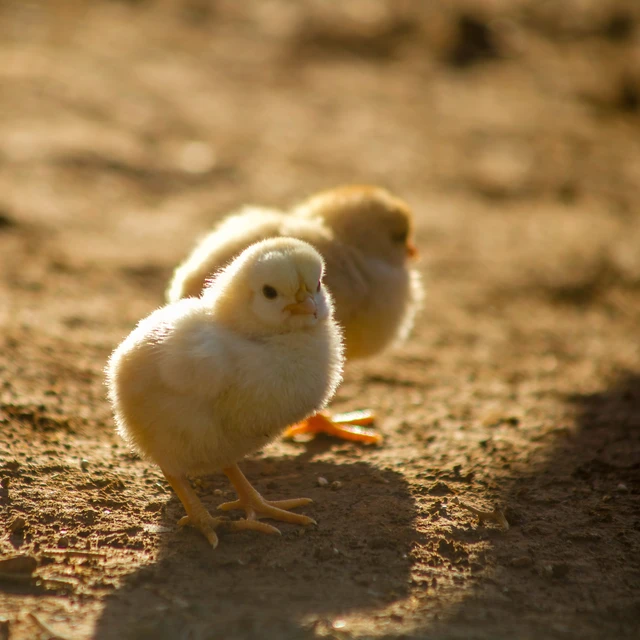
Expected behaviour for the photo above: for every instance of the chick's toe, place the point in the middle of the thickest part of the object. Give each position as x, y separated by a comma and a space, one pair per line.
255, 506
251, 525
197, 516
347, 426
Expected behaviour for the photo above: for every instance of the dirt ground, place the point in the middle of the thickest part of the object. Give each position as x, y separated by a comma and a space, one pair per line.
512, 127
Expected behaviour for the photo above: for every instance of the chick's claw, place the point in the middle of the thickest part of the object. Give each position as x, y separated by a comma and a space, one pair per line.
346, 426
205, 523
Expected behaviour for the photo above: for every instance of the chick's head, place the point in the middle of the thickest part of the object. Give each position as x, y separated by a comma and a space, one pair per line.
274, 286
370, 218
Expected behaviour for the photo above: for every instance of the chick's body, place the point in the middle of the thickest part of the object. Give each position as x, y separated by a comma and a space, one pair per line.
204, 381
376, 301
194, 396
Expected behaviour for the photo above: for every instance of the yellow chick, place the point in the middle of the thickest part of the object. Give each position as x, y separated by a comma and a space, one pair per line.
365, 235
202, 382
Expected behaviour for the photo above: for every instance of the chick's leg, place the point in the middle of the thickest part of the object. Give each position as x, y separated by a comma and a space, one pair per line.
197, 516
347, 426
255, 505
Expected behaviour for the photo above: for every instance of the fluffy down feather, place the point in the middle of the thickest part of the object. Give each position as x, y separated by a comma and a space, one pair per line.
204, 381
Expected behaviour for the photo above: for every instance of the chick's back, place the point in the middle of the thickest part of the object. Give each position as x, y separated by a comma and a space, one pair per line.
230, 238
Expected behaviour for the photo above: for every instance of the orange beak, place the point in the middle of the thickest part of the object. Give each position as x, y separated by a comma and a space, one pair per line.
412, 250
304, 306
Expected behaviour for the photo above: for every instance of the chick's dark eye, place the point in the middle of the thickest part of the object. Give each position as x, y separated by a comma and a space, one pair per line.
269, 292
400, 237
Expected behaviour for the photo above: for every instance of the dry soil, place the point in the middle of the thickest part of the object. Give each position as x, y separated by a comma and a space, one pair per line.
512, 127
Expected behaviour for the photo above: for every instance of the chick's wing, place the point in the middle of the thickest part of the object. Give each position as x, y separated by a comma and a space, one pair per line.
192, 355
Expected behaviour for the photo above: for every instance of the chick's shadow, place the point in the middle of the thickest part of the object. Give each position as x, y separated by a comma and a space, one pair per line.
572, 514
289, 586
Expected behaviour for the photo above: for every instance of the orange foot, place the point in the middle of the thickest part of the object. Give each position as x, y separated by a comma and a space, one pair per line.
255, 506
347, 426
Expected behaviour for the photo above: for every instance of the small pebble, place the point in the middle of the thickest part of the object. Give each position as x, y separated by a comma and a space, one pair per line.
322, 482
521, 562
18, 524
558, 570
196, 156
84, 464
336, 484
323, 553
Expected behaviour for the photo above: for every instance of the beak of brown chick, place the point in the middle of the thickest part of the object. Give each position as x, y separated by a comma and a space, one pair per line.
412, 250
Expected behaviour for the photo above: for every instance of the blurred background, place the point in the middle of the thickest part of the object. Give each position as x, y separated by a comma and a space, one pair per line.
512, 128
142, 121
176, 110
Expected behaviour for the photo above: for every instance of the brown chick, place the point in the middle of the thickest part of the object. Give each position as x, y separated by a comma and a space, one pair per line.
204, 381
365, 235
